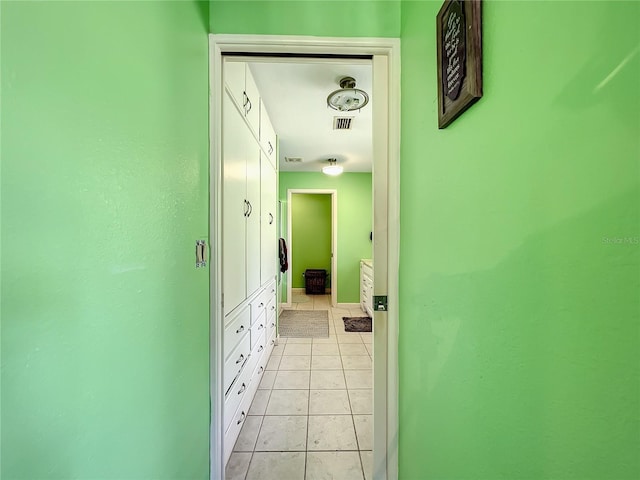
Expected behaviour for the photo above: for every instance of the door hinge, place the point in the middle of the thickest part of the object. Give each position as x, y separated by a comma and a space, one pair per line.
380, 303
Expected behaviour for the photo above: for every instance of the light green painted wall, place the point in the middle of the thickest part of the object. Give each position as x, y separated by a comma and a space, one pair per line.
349, 18
354, 223
519, 333
310, 235
104, 193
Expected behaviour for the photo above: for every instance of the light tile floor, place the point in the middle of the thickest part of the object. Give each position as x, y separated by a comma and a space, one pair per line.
311, 417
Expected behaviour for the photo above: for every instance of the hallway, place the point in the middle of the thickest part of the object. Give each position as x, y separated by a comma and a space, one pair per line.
312, 415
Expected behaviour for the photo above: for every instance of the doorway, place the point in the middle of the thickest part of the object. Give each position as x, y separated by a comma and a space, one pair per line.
312, 245
385, 55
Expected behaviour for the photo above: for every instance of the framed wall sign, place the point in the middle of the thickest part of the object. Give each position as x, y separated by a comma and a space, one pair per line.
459, 41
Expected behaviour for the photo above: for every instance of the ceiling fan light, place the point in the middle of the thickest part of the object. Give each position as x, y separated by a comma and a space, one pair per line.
348, 97
332, 170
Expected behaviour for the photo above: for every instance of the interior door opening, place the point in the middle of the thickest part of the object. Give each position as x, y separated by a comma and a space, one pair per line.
312, 235
385, 57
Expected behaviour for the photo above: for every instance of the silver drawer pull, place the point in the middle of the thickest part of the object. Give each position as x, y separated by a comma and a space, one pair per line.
261, 305
260, 349
241, 329
273, 342
241, 418
273, 324
273, 307
242, 389
260, 327
261, 370
240, 359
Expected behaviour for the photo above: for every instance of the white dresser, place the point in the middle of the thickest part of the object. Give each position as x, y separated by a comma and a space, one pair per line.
366, 286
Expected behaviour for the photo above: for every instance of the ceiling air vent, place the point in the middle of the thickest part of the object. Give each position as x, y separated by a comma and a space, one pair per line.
342, 123
292, 160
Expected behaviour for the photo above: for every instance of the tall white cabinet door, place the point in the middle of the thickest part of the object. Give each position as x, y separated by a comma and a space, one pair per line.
234, 79
235, 140
253, 219
252, 108
268, 231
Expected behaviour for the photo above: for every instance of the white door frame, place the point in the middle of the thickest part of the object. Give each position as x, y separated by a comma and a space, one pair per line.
334, 239
385, 54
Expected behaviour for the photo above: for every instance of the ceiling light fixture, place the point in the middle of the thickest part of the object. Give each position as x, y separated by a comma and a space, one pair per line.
332, 168
349, 97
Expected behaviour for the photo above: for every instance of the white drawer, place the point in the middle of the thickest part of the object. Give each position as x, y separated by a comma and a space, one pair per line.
271, 342
271, 308
260, 355
258, 330
235, 395
258, 305
270, 289
235, 425
237, 327
258, 358
236, 360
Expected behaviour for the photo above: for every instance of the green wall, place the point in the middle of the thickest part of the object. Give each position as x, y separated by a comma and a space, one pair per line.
519, 333
519, 305
354, 223
104, 193
349, 18
519, 255
310, 235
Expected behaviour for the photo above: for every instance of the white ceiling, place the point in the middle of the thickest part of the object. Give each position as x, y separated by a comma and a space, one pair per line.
295, 93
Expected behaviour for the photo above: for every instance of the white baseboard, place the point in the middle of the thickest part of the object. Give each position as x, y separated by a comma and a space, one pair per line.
348, 305
327, 291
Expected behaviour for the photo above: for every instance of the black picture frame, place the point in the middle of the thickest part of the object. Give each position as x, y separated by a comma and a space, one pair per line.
459, 44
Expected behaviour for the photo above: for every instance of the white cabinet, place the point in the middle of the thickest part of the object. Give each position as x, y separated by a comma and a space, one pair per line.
243, 89
267, 135
366, 286
253, 219
249, 245
250, 351
240, 208
268, 232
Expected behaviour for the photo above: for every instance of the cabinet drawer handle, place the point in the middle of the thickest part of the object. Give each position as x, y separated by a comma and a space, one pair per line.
270, 219
273, 324
261, 305
273, 342
261, 370
273, 307
270, 148
242, 389
261, 326
250, 211
241, 418
247, 105
260, 349
245, 99
240, 359
246, 208
241, 329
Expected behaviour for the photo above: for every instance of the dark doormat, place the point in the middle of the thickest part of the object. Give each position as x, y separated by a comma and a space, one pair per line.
357, 324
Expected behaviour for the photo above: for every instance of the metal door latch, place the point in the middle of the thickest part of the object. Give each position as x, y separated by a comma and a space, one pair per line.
380, 303
201, 253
